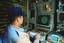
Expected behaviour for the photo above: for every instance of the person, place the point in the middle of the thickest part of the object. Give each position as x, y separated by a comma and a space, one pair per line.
14, 32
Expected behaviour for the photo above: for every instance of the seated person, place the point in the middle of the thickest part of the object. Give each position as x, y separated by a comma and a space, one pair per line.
15, 33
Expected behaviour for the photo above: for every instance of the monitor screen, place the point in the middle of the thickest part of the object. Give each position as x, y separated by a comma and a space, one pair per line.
43, 20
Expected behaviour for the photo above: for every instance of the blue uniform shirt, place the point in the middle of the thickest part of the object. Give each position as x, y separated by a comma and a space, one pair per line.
13, 33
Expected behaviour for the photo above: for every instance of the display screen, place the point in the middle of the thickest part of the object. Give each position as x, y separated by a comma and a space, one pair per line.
54, 38
43, 19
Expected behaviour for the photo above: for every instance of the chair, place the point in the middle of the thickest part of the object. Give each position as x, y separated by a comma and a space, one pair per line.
0, 40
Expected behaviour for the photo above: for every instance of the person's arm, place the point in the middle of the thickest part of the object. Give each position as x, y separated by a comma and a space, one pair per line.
37, 38
24, 38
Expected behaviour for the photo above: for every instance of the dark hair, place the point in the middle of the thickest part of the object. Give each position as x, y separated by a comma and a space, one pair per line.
13, 13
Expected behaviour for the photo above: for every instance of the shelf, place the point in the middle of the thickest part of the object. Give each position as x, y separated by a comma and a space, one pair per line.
43, 29
61, 28
3, 26
60, 11
42, 25
3, 19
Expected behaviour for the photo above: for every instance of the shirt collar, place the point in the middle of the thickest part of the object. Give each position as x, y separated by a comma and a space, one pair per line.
17, 28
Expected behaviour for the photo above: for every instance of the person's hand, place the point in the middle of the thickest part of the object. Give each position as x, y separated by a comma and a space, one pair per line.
24, 36
38, 36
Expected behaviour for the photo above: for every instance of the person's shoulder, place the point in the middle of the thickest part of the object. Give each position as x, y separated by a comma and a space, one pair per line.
11, 30
10, 27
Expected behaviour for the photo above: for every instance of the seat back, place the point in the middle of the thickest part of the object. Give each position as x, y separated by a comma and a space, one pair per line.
0, 40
